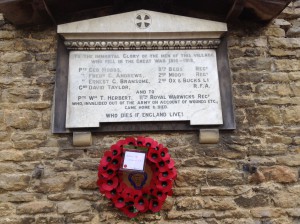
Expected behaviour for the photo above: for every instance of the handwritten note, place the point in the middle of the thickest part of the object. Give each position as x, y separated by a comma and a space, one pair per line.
134, 161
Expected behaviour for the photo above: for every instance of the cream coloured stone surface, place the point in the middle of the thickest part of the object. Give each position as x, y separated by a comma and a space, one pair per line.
130, 86
142, 24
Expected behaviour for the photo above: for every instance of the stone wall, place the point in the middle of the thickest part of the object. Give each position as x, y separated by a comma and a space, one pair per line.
252, 176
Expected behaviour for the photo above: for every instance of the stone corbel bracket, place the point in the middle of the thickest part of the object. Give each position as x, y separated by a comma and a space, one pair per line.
209, 136
82, 138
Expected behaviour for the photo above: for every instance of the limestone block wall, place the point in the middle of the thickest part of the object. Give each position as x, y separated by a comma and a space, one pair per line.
250, 177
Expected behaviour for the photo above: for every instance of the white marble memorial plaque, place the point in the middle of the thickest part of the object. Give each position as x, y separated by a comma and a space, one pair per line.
135, 86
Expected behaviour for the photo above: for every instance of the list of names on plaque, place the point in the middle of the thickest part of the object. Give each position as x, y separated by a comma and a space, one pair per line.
131, 86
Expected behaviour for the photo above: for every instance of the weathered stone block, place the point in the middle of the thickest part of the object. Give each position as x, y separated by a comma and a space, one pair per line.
45, 56
254, 42
220, 191
280, 174
28, 140
4, 34
289, 160
63, 165
291, 115
69, 207
36, 45
290, 13
264, 89
35, 207
185, 191
258, 64
286, 200
208, 162
190, 203
87, 163
294, 30
264, 115
33, 155
34, 69
88, 183
282, 52
258, 200
13, 57
294, 212
282, 23
219, 204
7, 209
80, 218
190, 215
19, 197
5, 145
275, 32
11, 155
296, 88
6, 45
35, 105
224, 177
190, 177
14, 182
284, 42
287, 65
279, 139
58, 183
264, 212
168, 204
16, 95
58, 197
74, 195
22, 119
279, 101
48, 94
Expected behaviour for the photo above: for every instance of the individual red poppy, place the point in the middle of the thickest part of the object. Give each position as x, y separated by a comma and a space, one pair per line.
109, 173
116, 150
164, 186
130, 211
130, 141
136, 193
160, 195
119, 201
121, 143
140, 141
106, 159
141, 204
167, 175
115, 163
164, 155
121, 187
153, 155
162, 166
101, 169
155, 205
99, 183
150, 143
171, 163
111, 194
128, 192
110, 184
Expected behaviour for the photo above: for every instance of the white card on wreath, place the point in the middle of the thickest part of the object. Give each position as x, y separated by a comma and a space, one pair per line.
134, 161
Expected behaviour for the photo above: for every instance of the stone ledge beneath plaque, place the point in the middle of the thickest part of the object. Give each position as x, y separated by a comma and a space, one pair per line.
142, 44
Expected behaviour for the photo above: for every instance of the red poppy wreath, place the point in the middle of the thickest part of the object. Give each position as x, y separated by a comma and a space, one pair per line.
135, 191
